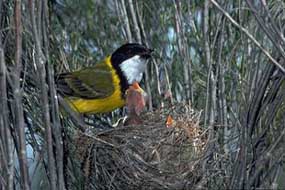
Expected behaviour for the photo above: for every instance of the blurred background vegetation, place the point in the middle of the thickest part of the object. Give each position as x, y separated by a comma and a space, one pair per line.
225, 57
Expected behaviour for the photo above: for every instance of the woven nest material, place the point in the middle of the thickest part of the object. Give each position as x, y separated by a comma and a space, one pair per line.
147, 156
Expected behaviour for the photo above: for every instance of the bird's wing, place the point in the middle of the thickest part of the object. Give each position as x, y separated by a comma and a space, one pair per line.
89, 83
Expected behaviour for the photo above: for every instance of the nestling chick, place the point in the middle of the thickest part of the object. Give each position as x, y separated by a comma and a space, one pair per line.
135, 103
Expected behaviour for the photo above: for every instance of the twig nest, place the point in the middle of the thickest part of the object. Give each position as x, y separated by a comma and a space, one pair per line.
146, 156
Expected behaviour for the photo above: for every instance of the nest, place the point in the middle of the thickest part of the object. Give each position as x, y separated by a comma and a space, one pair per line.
147, 156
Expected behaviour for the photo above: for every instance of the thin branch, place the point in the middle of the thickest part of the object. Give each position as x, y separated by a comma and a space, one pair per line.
135, 22
268, 31
126, 22
246, 32
6, 138
17, 91
40, 62
57, 129
207, 52
56, 125
211, 84
184, 53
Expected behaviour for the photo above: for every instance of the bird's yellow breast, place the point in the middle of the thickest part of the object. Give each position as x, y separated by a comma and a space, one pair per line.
101, 105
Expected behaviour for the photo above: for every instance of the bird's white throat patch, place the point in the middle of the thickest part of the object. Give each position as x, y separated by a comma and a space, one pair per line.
133, 68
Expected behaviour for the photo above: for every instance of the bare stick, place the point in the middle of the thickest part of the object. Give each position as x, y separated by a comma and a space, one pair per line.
40, 61
246, 32
125, 18
4, 124
17, 92
183, 51
56, 125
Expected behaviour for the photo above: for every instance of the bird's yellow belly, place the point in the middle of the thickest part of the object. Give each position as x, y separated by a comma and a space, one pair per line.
102, 105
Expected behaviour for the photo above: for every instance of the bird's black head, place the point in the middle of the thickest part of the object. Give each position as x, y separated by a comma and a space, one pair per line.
130, 50
129, 61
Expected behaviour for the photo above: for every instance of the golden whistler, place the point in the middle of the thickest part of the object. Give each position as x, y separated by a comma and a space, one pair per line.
102, 88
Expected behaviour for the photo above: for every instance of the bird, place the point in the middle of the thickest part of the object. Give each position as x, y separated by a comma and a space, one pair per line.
102, 87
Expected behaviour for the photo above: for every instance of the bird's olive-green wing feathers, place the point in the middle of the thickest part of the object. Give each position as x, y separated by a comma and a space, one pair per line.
90, 83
